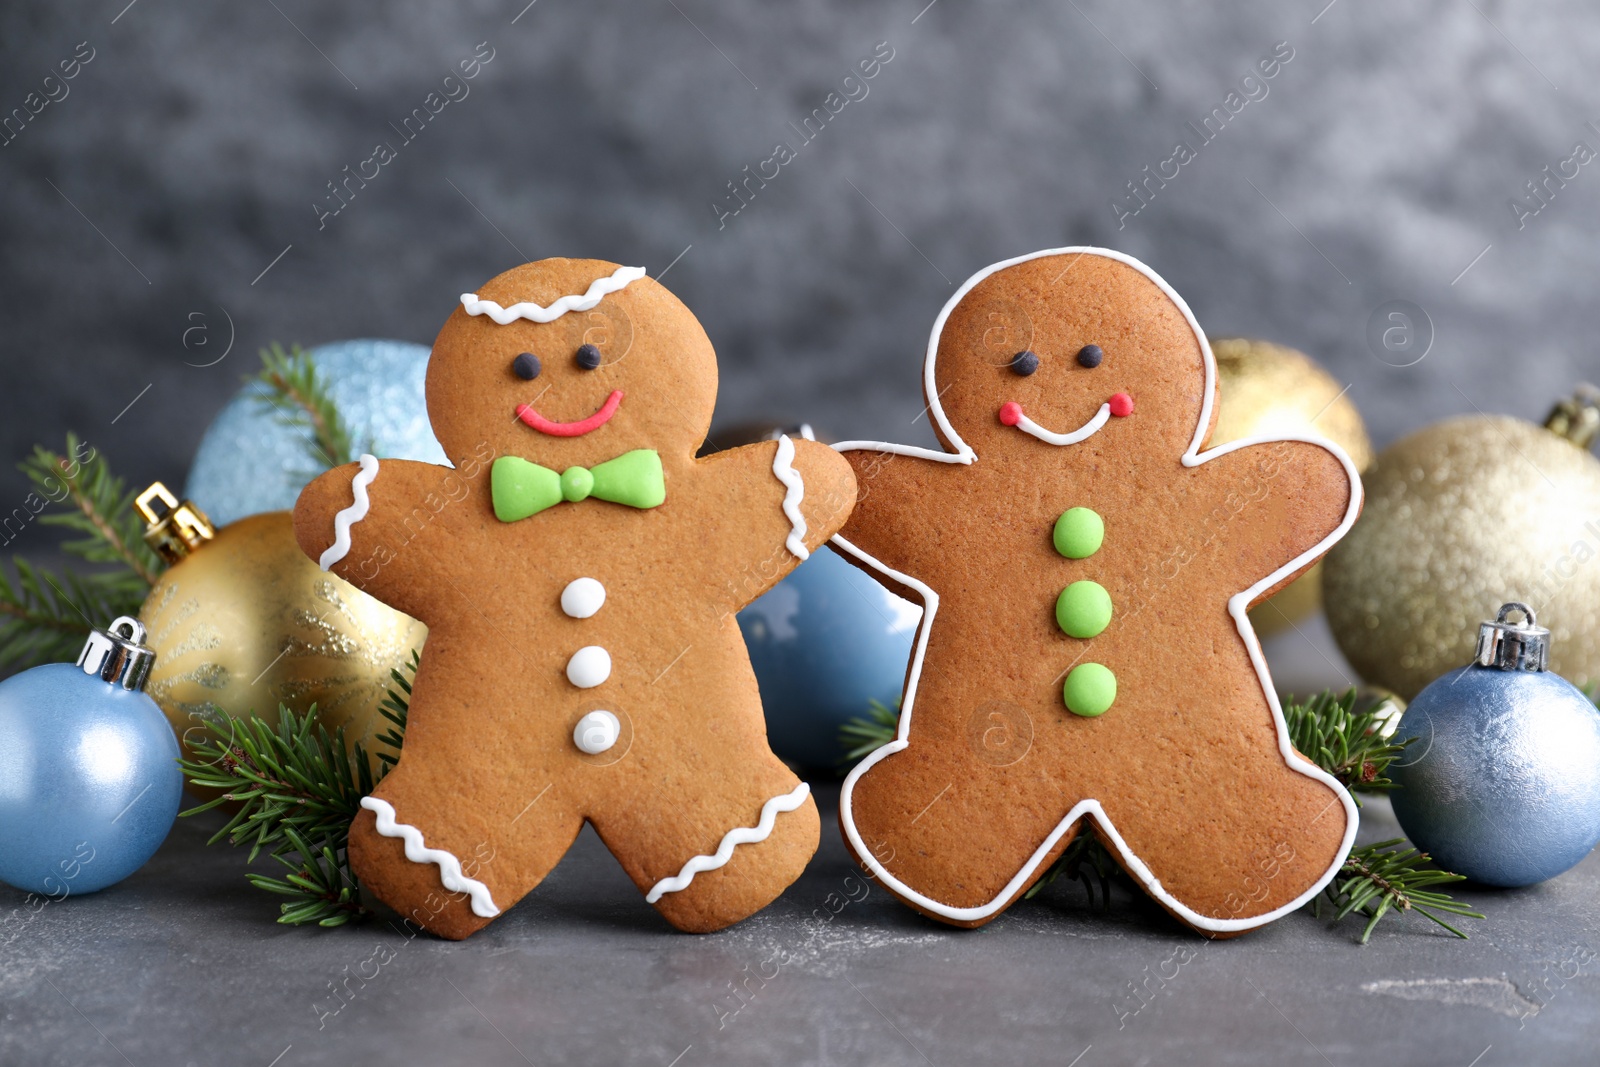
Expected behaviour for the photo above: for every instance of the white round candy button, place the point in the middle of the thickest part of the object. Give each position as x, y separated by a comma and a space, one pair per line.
589, 666
582, 597
596, 732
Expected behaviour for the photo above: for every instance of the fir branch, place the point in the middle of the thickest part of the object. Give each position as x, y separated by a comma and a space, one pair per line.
45, 615
1381, 878
301, 398
395, 707
864, 735
1084, 858
102, 510
1350, 745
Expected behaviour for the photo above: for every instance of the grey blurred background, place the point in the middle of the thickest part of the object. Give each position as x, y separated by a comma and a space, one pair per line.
174, 184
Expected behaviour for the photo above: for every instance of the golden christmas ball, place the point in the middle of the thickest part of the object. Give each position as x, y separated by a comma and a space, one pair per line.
242, 621
1265, 389
1461, 517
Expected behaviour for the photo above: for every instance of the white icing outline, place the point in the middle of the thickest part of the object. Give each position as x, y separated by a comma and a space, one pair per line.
350, 515
615, 281
742, 835
794, 491
450, 874
1237, 607
1082, 433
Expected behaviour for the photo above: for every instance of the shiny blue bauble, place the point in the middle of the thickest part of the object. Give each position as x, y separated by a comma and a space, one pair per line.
1503, 781
250, 461
89, 783
824, 642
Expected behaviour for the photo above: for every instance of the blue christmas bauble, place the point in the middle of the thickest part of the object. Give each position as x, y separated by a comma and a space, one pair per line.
1502, 783
89, 783
824, 642
250, 461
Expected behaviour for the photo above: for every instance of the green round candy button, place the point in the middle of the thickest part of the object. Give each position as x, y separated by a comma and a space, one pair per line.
1078, 533
1091, 688
1083, 609
576, 484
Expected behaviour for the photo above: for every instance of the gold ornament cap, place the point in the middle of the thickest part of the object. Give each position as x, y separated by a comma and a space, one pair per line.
1523, 646
1577, 418
118, 657
177, 528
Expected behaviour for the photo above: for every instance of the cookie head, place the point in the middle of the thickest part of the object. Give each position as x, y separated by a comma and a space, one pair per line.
571, 361
1074, 349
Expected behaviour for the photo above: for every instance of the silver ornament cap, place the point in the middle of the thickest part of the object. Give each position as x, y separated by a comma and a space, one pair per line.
1523, 646
118, 654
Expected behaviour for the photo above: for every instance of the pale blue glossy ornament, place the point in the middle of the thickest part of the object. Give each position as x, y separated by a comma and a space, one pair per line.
89, 780
250, 461
1502, 783
824, 642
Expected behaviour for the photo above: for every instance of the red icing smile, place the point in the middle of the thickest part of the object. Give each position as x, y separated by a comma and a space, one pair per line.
526, 413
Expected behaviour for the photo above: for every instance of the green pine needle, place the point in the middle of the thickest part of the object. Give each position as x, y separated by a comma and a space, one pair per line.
877, 729
1348, 744
1379, 879
299, 395
45, 615
296, 788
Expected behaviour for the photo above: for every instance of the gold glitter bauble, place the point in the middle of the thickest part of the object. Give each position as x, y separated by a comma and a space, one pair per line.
1265, 389
245, 621
1460, 518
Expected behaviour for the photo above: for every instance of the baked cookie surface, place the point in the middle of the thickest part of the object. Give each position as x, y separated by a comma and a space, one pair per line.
579, 570
1085, 566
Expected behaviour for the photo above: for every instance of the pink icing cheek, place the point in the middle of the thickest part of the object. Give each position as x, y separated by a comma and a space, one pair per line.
1121, 405
1010, 413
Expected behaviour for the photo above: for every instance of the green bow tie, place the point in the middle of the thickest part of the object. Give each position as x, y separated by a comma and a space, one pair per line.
520, 489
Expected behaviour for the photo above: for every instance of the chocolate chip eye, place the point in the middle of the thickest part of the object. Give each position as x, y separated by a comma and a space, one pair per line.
1024, 363
588, 357
526, 366
1090, 356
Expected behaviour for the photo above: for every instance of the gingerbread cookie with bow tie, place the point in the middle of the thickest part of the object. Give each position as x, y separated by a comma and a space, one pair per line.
1085, 661
579, 570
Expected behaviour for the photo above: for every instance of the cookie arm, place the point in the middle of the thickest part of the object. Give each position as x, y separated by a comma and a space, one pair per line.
1297, 497
379, 524
898, 493
780, 501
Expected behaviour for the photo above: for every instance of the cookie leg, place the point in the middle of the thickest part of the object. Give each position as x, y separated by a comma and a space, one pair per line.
1229, 858
716, 853
450, 860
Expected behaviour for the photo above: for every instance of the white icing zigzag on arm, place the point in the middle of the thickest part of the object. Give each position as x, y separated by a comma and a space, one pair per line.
600, 287
350, 515
744, 835
449, 867
794, 492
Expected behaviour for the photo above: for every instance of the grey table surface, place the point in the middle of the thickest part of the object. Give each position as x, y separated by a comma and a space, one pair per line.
182, 964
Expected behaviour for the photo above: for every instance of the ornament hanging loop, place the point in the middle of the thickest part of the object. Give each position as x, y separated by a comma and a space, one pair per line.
1577, 418
173, 528
1523, 646
118, 654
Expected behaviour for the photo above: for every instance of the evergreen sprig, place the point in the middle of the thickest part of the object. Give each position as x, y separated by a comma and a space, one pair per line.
299, 394
1380, 878
1355, 746
296, 788
45, 615
1349, 744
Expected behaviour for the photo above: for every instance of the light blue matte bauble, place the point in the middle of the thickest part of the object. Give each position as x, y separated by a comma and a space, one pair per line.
89, 783
1502, 783
249, 461
825, 641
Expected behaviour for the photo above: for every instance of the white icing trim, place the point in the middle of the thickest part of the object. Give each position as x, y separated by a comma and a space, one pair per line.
794, 492
505, 316
1082, 433
449, 867
743, 835
1237, 605
350, 515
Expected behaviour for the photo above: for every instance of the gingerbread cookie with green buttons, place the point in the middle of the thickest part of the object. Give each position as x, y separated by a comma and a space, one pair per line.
1085, 563
579, 569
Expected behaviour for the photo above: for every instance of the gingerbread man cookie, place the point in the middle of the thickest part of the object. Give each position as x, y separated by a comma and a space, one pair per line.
1084, 658
579, 570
